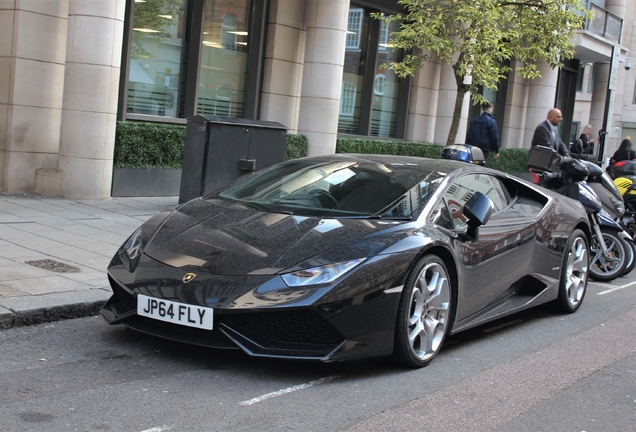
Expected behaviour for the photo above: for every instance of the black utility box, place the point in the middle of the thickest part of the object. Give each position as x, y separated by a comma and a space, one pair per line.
219, 150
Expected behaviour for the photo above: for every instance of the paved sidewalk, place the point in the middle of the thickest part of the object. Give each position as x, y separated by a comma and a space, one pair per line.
54, 253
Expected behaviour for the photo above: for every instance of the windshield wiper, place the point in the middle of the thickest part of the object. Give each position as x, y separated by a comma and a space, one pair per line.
263, 207
394, 218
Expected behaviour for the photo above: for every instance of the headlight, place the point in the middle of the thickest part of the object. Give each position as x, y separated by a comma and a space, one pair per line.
589, 194
134, 246
619, 206
320, 275
131, 251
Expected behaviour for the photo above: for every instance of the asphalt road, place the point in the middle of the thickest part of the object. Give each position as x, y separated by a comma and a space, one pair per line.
535, 371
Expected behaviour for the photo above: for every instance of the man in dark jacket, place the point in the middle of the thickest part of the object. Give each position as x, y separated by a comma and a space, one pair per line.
482, 132
547, 134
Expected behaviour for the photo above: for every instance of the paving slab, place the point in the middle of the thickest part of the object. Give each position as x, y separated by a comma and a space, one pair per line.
69, 244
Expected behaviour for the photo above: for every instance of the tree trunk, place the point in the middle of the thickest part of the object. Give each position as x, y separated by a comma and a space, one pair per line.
459, 103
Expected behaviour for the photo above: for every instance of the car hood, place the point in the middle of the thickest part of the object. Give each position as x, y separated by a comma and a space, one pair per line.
229, 238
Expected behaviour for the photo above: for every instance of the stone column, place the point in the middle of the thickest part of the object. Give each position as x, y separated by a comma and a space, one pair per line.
423, 102
515, 115
91, 81
32, 55
599, 94
541, 97
613, 139
617, 7
283, 66
322, 75
446, 104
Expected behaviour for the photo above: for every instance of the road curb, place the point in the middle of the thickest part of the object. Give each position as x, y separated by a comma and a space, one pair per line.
31, 310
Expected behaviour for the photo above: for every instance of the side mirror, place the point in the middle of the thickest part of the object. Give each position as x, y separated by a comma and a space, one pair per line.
477, 210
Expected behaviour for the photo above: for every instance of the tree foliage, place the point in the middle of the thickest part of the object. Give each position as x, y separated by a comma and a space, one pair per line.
480, 38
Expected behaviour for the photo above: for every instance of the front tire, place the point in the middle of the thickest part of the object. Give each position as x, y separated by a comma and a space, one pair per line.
605, 269
574, 271
631, 256
424, 313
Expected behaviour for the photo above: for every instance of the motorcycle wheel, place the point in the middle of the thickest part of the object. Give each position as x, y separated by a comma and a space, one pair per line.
605, 269
631, 256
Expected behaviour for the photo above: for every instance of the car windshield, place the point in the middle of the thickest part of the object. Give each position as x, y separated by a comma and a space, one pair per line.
337, 188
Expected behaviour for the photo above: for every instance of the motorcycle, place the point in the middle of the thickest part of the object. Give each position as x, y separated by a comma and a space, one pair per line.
623, 174
609, 251
614, 204
464, 153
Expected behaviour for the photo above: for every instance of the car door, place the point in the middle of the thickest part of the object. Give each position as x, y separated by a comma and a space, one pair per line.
499, 257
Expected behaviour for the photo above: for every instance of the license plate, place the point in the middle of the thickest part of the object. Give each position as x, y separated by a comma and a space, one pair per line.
173, 312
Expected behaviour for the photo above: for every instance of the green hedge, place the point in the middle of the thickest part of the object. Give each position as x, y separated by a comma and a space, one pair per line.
144, 145
295, 146
375, 146
510, 160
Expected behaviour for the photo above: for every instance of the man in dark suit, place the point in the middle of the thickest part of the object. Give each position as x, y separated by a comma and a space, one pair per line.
547, 134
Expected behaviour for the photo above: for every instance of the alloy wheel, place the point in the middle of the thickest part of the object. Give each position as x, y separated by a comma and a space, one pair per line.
429, 311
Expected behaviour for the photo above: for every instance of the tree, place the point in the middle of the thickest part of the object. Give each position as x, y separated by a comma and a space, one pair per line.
480, 38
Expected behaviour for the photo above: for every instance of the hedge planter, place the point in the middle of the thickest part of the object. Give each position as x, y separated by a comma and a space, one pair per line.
146, 182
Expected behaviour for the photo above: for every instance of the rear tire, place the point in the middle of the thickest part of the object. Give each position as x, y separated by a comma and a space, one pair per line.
605, 269
574, 272
424, 313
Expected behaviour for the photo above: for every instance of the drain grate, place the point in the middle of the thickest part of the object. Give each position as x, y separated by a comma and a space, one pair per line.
54, 266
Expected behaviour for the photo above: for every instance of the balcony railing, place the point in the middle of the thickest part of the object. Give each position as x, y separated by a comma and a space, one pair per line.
605, 24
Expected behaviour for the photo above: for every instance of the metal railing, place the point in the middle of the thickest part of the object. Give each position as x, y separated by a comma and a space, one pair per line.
605, 24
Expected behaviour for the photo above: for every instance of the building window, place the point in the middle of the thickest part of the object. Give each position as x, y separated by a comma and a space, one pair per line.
169, 38
378, 86
574, 132
222, 77
373, 109
383, 39
354, 28
386, 90
579, 78
590, 79
348, 99
223, 106
156, 59
229, 33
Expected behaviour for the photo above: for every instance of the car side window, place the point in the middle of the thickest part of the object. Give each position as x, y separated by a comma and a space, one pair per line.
487, 184
441, 216
496, 191
460, 191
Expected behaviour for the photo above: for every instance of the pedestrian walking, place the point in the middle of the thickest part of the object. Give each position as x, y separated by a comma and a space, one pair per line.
482, 132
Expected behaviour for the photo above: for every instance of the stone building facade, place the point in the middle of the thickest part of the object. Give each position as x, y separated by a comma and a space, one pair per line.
70, 69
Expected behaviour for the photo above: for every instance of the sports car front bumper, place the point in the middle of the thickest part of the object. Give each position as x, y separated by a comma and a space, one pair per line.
261, 315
